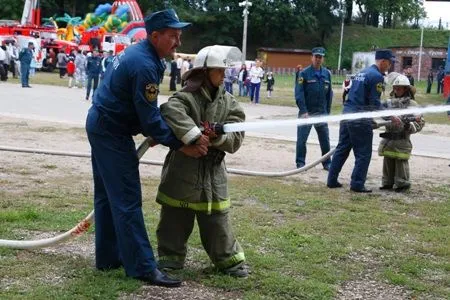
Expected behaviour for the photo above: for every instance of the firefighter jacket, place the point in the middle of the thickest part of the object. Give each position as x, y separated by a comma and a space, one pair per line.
396, 141
199, 184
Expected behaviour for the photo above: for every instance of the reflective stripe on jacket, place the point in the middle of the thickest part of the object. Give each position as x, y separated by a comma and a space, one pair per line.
199, 183
400, 148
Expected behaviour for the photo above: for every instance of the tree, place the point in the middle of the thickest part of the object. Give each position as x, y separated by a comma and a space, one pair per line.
11, 10
348, 12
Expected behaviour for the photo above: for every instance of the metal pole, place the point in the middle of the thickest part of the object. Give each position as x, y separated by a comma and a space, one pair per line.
244, 35
340, 44
420, 54
342, 35
246, 4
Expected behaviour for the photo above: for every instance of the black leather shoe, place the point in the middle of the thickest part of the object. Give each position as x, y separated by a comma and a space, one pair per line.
386, 187
363, 190
402, 189
335, 185
156, 277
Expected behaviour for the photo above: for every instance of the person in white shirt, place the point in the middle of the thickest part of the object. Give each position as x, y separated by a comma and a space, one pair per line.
179, 65
14, 55
184, 68
3, 72
256, 73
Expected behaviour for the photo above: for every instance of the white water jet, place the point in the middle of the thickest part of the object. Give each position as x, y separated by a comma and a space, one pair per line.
247, 126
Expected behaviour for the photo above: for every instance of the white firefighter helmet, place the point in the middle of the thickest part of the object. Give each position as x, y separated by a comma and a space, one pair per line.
401, 80
216, 56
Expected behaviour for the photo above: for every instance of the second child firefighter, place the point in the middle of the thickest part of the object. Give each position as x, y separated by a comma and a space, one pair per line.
395, 145
196, 188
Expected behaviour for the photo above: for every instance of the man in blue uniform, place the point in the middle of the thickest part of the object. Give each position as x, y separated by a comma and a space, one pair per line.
313, 96
125, 105
25, 57
364, 96
93, 70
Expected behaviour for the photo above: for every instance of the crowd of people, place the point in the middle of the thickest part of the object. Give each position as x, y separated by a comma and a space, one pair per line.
9, 57
248, 81
84, 69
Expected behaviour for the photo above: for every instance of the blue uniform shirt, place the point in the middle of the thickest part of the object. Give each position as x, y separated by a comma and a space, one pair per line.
364, 95
94, 66
313, 93
25, 56
127, 97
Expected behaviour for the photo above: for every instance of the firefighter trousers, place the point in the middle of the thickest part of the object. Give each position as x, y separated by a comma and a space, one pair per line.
395, 171
175, 227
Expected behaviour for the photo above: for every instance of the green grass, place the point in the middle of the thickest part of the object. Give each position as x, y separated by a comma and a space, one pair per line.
359, 38
301, 241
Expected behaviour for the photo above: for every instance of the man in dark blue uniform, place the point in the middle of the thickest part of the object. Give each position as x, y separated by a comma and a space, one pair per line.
313, 96
25, 57
93, 70
125, 105
364, 96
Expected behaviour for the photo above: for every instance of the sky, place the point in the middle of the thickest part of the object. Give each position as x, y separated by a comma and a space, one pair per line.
436, 10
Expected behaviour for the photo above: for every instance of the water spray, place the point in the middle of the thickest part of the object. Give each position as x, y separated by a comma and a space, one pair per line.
248, 126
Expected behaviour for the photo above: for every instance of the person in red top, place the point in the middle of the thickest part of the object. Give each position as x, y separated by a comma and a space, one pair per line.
70, 71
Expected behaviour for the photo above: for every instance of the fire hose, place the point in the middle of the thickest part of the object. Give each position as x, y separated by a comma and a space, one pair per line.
84, 225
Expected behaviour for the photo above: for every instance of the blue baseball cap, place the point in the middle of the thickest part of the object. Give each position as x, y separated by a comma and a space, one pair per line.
163, 19
318, 51
384, 54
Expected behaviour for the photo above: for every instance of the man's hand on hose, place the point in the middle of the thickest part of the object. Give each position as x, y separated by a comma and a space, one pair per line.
195, 150
202, 140
304, 116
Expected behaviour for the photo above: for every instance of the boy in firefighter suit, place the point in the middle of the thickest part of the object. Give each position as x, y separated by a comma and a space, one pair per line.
197, 188
396, 146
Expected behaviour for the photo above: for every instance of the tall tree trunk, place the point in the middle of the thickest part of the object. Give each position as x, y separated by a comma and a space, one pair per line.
375, 19
74, 8
389, 20
348, 12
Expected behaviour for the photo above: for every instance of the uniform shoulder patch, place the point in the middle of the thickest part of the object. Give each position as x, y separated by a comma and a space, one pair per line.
151, 92
379, 87
300, 80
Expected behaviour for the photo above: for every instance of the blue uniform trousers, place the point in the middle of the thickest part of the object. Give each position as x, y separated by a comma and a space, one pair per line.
120, 233
302, 136
89, 85
356, 135
24, 74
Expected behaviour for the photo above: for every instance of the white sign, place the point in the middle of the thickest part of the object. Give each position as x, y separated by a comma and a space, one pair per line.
362, 60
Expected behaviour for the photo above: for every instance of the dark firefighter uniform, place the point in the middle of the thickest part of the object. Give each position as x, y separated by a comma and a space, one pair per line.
364, 96
313, 95
25, 57
124, 105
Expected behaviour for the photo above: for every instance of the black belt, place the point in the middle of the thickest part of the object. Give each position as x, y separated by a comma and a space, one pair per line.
393, 135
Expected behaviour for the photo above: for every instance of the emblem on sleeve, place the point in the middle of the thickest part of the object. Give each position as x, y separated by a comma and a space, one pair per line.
379, 87
151, 92
300, 80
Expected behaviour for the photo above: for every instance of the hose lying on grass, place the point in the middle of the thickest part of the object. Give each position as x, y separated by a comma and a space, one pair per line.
86, 223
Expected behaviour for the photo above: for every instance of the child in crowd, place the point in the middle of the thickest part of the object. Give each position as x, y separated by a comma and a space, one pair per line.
270, 83
70, 70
